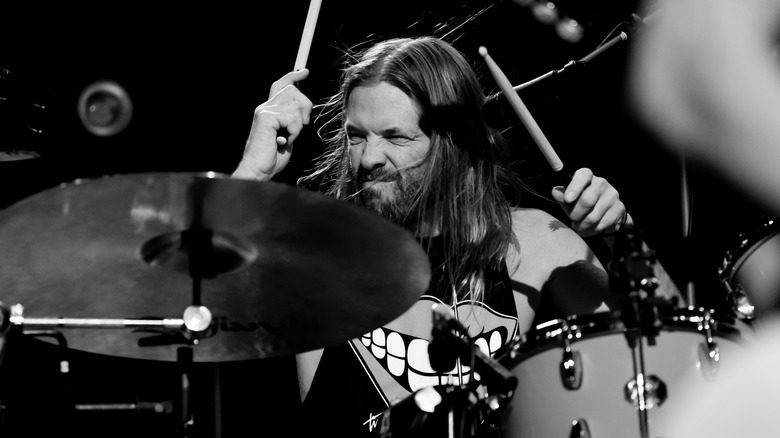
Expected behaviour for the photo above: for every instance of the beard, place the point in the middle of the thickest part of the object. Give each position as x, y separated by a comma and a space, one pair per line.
392, 194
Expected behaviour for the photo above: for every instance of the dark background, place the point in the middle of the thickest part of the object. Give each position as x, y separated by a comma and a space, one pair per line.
195, 74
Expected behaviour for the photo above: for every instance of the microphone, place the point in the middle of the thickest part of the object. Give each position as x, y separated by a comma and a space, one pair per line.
446, 343
450, 341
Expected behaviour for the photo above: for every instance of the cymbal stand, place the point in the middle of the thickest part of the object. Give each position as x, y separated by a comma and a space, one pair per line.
196, 242
632, 274
186, 418
198, 246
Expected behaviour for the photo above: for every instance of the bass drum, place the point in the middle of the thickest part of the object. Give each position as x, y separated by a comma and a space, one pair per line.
750, 270
578, 376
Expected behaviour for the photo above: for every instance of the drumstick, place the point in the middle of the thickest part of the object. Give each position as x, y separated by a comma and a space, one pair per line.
522, 112
304, 46
308, 34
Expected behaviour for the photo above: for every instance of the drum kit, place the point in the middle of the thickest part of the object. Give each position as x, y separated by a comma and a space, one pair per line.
626, 373
201, 267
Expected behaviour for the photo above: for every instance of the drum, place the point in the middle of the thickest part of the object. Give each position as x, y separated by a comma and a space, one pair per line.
750, 270
583, 376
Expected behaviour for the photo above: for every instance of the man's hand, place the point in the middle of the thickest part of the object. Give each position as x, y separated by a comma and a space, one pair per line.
276, 124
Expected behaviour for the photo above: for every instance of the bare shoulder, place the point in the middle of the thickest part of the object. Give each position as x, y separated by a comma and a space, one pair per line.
539, 233
553, 259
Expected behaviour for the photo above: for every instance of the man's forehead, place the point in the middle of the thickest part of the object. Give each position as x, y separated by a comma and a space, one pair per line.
381, 107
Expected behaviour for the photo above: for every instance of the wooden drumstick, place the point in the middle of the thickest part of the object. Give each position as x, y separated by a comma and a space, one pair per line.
304, 46
308, 34
525, 116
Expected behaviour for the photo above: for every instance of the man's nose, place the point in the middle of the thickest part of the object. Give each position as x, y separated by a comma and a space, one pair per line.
373, 154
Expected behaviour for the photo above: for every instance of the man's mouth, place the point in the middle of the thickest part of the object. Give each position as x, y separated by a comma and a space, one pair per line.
365, 178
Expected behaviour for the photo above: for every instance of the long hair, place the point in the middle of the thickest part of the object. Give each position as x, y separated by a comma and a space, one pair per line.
464, 178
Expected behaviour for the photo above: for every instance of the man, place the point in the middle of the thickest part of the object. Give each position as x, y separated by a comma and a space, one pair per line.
408, 140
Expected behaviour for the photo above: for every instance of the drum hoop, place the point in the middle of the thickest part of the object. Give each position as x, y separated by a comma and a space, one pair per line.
549, 335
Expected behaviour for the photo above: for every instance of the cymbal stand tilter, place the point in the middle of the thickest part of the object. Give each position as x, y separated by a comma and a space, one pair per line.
632, 275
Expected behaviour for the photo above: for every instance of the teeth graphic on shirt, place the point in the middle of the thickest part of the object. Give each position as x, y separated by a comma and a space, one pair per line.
378, 343
496, 341
482, 343
418, 349
406, 357
418, 381
396, 354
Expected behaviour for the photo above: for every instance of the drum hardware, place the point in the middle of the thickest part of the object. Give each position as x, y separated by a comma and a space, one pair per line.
709, 351
186, 418
579, 429
17, 318
156, 407
453, 411
632, 266
195, 318
645, 393
571, 363
61, 342
633, 276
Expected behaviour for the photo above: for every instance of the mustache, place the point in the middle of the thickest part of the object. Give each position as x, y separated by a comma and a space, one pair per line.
364, 178
376, 175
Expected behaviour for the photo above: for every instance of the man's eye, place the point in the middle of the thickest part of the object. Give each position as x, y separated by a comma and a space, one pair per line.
355, 138
397, 139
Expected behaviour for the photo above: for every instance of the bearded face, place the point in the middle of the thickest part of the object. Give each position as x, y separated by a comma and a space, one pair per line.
387, 149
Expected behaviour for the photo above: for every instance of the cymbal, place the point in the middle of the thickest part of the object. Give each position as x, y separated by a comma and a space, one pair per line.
283, 270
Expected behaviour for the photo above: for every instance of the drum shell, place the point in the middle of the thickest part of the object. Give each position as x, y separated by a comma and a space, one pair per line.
749, 270
543, 407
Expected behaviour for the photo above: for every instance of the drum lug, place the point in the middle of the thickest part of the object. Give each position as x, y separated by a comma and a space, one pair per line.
579, 429
571, 369
709, 358
571, 362
709, 351
654, 393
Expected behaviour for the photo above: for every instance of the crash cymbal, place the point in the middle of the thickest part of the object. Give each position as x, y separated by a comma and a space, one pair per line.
282, 269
